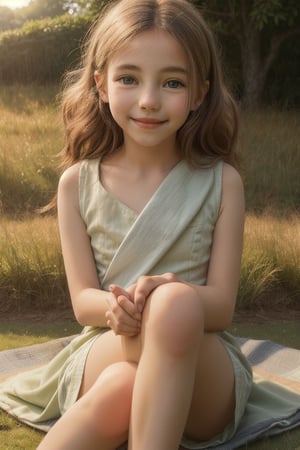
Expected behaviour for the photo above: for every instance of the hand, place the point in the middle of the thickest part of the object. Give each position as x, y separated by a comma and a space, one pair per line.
122, 317
145, 285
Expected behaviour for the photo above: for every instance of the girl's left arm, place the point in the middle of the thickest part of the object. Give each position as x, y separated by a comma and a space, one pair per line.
218, 296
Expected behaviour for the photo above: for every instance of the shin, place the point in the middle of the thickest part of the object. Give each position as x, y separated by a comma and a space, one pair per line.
171, 336
99, 419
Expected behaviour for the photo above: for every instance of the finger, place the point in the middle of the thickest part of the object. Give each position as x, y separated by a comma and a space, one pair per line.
123, 309
128, 328
139, 301
118, 318
118, 290
143, 288
129, 307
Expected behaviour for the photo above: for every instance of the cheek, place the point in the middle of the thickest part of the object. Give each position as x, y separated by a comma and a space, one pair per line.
180, 107
119, 107
118, 100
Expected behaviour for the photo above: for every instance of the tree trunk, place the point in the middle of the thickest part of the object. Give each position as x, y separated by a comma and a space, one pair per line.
252, 70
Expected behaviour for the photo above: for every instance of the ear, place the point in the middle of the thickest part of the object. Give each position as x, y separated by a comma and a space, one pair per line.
101, 86
203, 91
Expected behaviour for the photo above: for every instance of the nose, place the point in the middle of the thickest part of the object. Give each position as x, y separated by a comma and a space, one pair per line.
150, 98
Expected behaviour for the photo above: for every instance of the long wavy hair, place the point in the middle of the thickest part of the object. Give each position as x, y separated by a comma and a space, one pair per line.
209, 133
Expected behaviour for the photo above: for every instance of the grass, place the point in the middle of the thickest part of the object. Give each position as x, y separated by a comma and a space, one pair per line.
20, 334
271, 261
271, 159
15, 436
30, 139
31, 136
30, 261
31, 266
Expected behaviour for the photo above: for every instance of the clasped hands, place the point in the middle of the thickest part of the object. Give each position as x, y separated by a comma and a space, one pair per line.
125, 306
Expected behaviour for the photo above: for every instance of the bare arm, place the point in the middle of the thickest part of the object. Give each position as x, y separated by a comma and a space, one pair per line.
90, 303
219, 294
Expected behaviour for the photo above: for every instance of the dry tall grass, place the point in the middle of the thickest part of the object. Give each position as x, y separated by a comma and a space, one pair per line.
31, 267
271, 159
31, 270
30, 139
271, 261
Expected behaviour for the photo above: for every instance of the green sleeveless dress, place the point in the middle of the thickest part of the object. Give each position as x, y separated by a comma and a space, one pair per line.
175, 232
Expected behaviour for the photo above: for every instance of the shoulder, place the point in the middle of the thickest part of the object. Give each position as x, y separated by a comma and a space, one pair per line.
232, 186
231, 178
69, 178
68, 182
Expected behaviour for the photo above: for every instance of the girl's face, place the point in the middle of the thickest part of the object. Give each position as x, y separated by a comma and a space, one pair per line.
147, 88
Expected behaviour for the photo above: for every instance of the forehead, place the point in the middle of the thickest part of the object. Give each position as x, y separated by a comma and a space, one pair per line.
154, 48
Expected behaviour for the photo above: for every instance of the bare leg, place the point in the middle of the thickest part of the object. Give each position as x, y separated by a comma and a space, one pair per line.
183, 375
213, 402
99, 419
172, 334
184, 381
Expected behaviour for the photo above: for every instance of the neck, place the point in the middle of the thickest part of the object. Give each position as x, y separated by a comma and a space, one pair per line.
145, 159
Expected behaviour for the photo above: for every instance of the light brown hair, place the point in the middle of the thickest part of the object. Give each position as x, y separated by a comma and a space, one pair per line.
209, 132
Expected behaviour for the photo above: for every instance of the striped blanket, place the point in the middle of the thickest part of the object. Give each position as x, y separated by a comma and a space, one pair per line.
276, 374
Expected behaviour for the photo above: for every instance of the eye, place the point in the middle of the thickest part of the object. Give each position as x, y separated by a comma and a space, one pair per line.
127, 80
174, 84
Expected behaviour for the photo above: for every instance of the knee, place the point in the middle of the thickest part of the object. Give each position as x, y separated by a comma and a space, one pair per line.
108, 402
175, 318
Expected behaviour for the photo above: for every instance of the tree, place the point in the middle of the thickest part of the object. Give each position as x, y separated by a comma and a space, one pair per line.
38, 9
87, 7
260, 27
8, 19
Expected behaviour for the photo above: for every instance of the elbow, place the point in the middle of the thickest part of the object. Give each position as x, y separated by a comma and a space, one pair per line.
226, 322
219, 315
79, 311
80, 318
227, 318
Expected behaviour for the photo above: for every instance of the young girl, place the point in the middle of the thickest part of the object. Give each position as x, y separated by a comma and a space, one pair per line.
151, 213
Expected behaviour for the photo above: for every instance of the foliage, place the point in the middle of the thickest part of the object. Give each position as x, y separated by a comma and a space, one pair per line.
41, 51
274, 12
38, 9
7, 19
91, 7
255, 37
261, 28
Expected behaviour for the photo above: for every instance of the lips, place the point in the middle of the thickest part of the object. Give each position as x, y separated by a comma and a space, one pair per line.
147, 122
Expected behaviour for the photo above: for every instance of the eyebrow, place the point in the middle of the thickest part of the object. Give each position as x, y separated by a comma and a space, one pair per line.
167, 69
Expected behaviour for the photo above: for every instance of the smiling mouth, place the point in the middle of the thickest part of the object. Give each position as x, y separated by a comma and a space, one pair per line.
146, 122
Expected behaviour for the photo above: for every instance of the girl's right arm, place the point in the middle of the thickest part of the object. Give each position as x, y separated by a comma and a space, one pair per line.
90, 303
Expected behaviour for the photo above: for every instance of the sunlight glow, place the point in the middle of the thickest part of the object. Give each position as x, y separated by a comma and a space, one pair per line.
14, 3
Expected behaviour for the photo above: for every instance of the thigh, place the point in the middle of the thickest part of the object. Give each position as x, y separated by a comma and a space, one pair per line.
213, 403
108, 349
